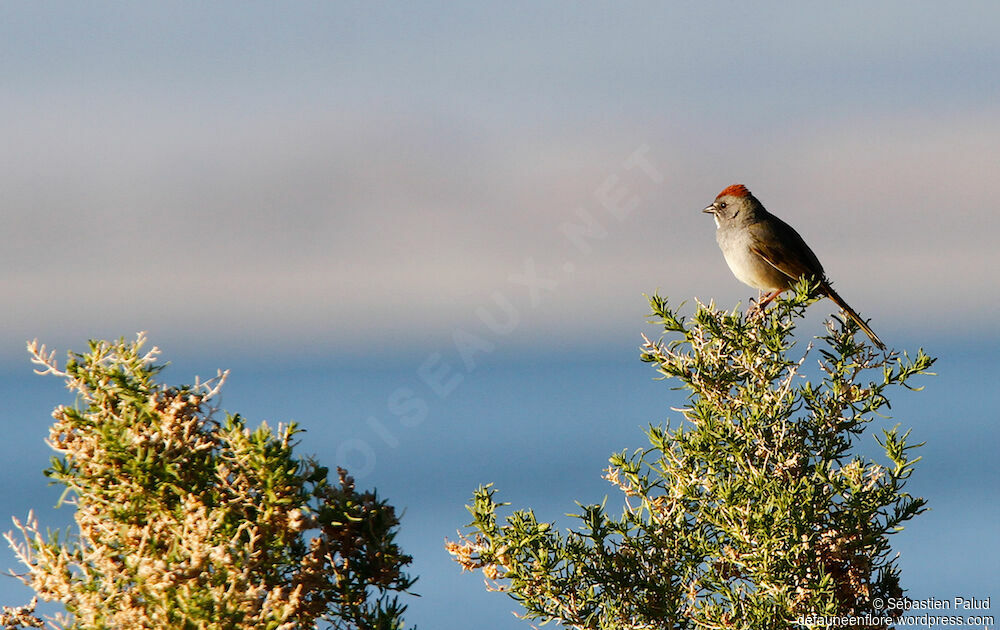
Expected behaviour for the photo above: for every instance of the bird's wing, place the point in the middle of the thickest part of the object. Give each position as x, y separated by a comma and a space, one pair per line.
781, 247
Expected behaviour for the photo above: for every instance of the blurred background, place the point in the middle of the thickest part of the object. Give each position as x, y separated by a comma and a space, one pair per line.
352, 205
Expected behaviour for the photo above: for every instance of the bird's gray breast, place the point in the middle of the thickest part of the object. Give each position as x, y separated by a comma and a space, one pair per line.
748, 267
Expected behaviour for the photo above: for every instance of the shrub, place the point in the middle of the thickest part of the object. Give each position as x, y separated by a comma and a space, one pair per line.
184, 521
751, 511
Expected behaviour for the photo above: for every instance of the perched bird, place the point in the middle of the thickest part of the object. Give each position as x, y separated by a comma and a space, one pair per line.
766, 253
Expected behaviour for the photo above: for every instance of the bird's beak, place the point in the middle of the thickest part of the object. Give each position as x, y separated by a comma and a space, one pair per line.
710, 209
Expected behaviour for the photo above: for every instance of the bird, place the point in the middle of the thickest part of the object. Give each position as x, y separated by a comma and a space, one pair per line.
768, 254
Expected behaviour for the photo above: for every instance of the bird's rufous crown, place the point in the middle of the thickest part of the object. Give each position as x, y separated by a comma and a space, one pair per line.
736, 190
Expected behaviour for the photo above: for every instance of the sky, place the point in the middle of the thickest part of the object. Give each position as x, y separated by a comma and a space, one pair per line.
332, 199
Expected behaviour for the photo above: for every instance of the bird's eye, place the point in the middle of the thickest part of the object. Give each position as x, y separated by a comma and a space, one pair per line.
722, 205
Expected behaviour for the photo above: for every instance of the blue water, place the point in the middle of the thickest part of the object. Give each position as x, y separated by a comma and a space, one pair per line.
540, 425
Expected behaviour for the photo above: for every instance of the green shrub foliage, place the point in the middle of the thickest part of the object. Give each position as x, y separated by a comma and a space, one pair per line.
184, 521
750, 510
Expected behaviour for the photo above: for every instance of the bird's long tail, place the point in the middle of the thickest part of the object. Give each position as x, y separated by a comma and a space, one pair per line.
850, 312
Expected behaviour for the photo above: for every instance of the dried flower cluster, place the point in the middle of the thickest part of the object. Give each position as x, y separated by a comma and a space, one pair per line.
186, 522
749, 512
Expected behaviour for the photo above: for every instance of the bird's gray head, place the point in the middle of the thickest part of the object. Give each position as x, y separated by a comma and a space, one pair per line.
733, 204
